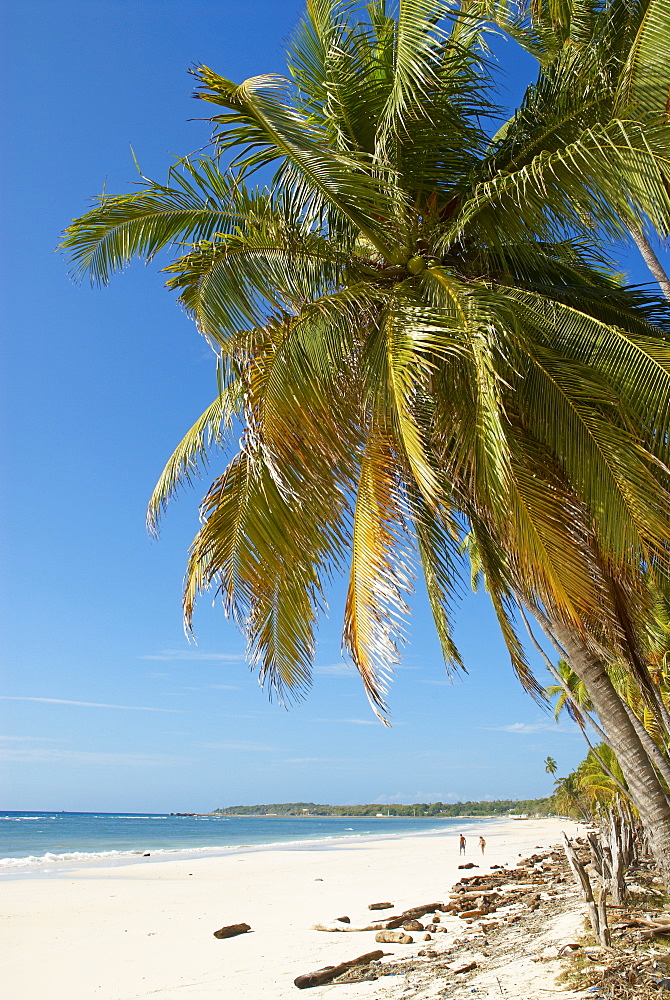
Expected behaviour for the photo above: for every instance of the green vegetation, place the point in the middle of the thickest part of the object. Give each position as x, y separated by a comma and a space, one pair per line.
500, 807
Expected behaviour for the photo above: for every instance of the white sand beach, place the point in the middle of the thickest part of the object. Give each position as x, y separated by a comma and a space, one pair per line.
145, 930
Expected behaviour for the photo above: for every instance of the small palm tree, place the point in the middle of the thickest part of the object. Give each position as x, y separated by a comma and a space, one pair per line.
550, 766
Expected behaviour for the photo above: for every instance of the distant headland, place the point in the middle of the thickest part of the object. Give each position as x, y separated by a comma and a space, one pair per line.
499, 807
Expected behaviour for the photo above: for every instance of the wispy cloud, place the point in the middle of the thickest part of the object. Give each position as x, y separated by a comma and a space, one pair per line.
210, 687
87, 704
403, 798
437, 683
194, 654
312, 760
29, 739
340, 669
353, 722
46, 756
527, 728
246, 747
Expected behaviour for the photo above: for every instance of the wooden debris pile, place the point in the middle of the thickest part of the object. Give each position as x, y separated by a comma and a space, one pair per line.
509, 894
627, 975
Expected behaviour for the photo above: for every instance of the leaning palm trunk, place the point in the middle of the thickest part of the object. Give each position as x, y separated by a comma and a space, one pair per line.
651, 260
641, 777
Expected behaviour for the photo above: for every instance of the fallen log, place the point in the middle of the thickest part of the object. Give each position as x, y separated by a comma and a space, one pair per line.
330, 972
474, 894
380, 906
346, 929
232, 930
412, 914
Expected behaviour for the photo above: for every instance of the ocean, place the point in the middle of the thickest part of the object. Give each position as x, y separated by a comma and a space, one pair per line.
32, 842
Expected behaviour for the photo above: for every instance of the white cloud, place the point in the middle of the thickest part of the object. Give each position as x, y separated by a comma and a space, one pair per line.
86, 704
407, 798
528, 728
194, 654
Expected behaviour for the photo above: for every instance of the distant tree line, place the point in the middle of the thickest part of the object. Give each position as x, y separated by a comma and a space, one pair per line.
500, 807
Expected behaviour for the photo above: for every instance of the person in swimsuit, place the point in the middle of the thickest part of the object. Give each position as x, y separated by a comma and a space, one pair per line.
461, 845
482, 844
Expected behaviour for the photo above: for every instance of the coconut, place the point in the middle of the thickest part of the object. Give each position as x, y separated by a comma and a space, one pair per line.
415, 265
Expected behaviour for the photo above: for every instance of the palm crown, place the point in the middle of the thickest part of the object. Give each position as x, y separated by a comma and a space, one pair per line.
420, 334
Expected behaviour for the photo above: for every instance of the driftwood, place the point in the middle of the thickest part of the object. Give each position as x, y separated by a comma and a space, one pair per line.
474, 894
380, 906
232, 930
330, 972
335, 929
597, 910
468, 967
413, 914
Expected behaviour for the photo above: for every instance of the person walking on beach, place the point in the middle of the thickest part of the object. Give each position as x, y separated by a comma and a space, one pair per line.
461, 845
482, 844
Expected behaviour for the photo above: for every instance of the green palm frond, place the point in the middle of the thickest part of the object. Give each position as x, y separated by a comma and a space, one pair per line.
422, 333
380, 576
197, 202
192, 453
644, 86
260, 118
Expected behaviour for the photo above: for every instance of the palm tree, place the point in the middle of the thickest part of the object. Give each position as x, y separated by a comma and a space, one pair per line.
420, 336
599, 62
550, 766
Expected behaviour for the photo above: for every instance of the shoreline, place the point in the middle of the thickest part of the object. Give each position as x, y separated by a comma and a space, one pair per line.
67, 864
131, 931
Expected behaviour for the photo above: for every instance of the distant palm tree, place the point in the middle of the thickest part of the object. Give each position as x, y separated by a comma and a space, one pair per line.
550, 766
419, 333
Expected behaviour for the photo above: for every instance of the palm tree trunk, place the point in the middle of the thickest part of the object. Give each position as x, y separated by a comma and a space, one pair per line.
653, 752
639, 772
651, 260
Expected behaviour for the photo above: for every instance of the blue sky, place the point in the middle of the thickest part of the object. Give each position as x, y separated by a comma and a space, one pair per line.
103, 703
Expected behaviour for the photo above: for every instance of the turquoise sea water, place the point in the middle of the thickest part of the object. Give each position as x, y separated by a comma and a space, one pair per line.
39, 841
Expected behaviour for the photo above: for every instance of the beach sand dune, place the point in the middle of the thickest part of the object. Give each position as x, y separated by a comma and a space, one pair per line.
145, 930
